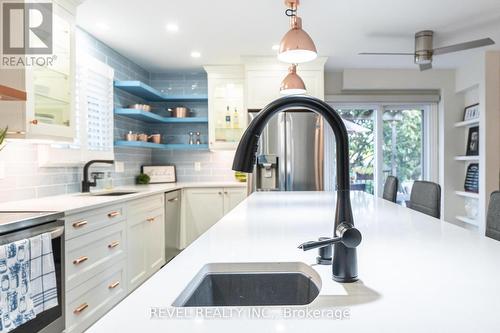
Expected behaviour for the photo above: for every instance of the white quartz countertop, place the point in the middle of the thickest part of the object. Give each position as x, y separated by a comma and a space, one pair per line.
417, 274
76, 202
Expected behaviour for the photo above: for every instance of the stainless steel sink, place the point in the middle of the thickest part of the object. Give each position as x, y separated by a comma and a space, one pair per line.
251, 284
112, 194
107, 194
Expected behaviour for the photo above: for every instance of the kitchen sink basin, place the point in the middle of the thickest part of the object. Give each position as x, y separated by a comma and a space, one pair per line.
107, 194
112, 194
251, 284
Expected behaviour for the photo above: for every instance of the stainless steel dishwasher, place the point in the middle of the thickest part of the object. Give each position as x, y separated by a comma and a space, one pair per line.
15, 226
172, 224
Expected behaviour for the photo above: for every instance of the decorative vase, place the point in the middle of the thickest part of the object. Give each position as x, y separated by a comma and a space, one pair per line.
471, 208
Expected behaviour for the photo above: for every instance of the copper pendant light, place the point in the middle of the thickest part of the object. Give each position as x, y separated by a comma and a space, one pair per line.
296, 46
292, 84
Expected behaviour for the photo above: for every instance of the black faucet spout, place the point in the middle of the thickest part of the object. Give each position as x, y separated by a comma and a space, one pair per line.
86, 184
344, 266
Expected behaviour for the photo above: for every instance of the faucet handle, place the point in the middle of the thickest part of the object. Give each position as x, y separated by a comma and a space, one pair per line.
348, 235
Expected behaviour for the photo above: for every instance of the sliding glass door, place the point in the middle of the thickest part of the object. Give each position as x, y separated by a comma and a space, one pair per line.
402, 147
385, 140
360, 123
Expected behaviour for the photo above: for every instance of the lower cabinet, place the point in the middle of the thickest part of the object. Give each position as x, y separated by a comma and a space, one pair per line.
89, 301
109, 252
203, 207
145, 239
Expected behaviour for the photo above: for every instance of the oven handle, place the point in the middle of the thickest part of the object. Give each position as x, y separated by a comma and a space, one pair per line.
56, 233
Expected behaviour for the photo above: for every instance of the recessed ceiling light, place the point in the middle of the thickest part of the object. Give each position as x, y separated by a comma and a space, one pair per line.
195, 54
172, 27
102, 26
276, 47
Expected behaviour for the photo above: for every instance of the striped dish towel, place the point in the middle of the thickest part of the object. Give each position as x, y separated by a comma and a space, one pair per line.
42, 273
16, 306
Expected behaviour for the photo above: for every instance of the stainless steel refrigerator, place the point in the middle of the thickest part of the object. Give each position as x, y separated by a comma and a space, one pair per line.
290, 154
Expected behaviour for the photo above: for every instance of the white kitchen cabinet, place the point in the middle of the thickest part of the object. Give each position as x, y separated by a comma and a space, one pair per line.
173, 202
203, 207
110, 251
227, 114
264, 76
232, 197
48, 112
145, 239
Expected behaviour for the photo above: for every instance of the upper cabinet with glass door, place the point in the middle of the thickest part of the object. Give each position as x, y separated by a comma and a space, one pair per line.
50, 109
226, 106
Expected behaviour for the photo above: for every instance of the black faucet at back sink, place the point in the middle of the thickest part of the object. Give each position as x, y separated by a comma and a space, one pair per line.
86, 183
345, 237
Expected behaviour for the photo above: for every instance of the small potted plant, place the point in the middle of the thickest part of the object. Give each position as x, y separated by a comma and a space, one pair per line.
3, 134
143, 179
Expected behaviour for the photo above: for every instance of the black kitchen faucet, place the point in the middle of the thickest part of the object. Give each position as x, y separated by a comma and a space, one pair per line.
345, 237
86, 183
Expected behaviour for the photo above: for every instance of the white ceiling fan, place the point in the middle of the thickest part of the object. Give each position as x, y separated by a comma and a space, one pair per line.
424, 50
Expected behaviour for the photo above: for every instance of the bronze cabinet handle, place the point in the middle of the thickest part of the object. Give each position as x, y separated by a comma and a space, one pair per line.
173, 199
34, 122
113, 213
151, 219
80, 308
79, 224
114, 285
113, 244
80, 260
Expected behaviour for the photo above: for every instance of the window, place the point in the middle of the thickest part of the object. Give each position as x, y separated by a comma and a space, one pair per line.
93, 117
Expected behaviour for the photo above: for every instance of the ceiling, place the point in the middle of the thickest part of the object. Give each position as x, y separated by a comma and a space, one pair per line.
223, 30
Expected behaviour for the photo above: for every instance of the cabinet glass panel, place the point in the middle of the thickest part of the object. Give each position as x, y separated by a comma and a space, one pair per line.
52, 84
229, 116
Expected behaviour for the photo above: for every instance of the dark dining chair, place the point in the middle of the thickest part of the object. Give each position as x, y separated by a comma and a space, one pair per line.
390, 188
425, 197
493, 217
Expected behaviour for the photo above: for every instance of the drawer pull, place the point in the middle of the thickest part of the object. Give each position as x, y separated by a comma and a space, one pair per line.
151, 219
78, 261
113, 213
114, 285
80, 308
225, 192
113, 244
173, 199
80, 224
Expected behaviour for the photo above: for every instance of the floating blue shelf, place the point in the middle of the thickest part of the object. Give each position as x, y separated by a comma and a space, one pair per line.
148, 93
150, 117
172, 146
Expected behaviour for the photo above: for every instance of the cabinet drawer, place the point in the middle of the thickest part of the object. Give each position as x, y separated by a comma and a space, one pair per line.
83, 223
91, 300
88, 255
145, 205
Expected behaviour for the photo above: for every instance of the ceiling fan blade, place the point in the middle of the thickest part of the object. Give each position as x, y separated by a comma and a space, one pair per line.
424, 67
463, 46
387, 53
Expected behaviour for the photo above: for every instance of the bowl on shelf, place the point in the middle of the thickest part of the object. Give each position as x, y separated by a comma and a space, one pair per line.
179, 112
143, 107
155, 138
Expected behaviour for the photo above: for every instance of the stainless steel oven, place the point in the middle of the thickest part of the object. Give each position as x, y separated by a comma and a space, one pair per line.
21, 225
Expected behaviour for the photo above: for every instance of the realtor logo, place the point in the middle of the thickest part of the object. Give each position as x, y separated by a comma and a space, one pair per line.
26, 28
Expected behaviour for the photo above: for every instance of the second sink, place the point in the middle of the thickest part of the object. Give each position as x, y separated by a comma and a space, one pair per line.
251, 284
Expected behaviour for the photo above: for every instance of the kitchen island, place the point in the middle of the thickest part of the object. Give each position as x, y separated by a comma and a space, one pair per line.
417, 273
